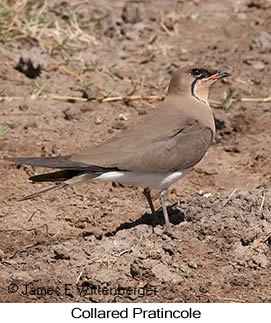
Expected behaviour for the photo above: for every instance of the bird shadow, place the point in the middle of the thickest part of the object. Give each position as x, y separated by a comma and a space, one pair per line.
175, 215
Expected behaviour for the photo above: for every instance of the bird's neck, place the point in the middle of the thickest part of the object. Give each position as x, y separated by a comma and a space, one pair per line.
200, 94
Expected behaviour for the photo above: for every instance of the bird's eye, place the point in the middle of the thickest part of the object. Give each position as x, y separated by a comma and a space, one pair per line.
196, 73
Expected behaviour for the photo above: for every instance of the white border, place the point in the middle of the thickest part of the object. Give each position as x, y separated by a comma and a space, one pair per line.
210, 313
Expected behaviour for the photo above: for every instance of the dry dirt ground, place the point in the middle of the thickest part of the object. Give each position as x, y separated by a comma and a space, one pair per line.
99, 242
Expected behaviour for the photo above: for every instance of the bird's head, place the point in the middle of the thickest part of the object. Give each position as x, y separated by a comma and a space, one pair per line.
195, 82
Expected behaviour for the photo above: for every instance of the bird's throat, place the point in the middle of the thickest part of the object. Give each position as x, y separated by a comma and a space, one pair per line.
199, 92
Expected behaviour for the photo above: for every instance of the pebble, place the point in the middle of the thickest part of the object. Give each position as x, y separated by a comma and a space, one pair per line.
118, 125
123, 116
192, 265
98, 120
61, 253
1, 254
71, 114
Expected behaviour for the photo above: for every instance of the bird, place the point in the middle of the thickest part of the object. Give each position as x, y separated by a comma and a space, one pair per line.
155, 152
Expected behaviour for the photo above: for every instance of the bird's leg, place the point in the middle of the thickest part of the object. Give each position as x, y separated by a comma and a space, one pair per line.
164, 207
147, 193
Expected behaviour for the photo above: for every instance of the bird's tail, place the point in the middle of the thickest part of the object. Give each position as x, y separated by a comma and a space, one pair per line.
66, 177
59, 176
72, 172
31, 196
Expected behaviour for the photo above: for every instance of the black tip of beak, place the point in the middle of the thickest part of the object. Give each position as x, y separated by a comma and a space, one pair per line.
223, 74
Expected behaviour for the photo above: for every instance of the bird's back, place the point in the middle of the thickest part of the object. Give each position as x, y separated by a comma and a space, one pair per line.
162, 141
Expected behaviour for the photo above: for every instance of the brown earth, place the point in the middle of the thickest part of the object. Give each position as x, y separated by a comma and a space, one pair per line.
103, 235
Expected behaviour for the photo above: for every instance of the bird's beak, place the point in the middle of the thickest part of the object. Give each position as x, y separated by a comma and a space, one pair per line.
219, 75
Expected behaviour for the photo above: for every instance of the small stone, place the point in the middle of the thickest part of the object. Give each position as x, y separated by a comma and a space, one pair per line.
163, 273
158, 230
134, 270
118, 125
130, 14
207, 195
71, 114
90, 94
61, 253
30, 124
54, 149
203, 289
23, 107
192, 265
12, 262
80, 225
168, 249
259, 65
180, 250
1, 254
98, 120
123, 116
141, 112
248, 237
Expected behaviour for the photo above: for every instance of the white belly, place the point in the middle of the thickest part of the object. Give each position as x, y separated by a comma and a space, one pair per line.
144, 180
